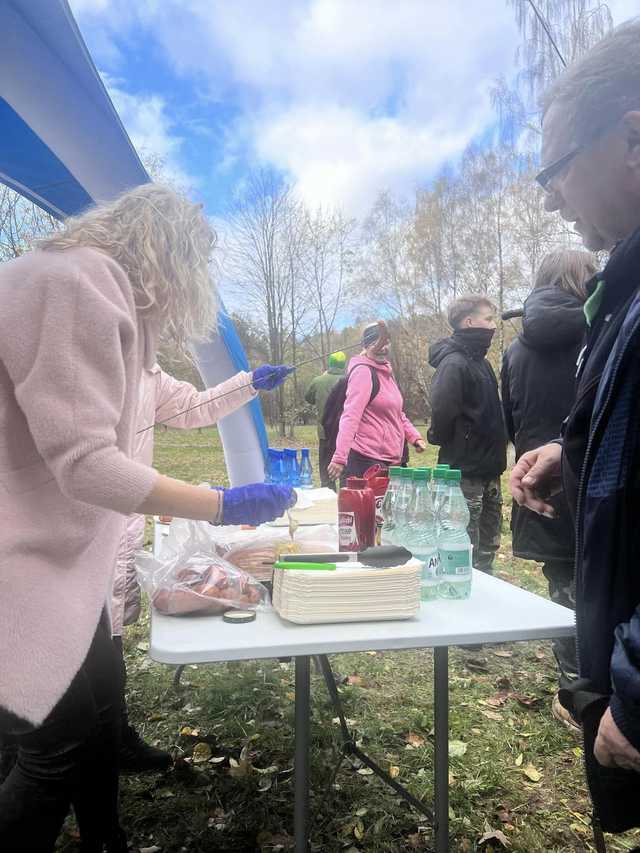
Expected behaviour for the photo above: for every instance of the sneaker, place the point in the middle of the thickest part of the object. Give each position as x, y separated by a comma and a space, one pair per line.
563, 716
136, 756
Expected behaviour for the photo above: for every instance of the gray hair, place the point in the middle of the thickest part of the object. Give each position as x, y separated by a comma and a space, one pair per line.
600, 87
568, 269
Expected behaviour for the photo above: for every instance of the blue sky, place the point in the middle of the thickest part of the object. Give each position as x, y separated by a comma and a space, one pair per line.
344, 97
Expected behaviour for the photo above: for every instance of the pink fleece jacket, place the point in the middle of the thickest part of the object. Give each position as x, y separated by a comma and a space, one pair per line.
71, 352
160, 397
377, 430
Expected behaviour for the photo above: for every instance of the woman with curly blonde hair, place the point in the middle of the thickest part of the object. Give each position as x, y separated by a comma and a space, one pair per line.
80, 319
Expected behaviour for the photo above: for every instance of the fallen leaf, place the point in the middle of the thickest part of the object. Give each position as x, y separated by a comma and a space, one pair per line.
577, 751
290, 696
358, 830
163, 794
158, 715
273, 768
457, 748
492, 715
361, 812
217, 759
153, 849
494, 835
240, 769
143, 647
394, 771
365, 771
414, 740
527, 701
540, 654
356, 680
373, 654
185, 731
201, 753
415, 841
531, 773
503, 653
519, 759
504, 815
265, 783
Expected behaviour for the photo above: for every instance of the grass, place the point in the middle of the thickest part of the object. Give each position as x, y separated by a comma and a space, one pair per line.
517, 771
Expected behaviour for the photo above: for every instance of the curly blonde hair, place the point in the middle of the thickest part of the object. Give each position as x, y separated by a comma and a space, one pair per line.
164, 243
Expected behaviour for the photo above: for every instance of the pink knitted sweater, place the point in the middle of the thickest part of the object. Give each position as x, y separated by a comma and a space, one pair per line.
71, 352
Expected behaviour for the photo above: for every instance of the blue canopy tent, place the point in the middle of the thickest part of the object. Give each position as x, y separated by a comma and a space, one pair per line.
63, 146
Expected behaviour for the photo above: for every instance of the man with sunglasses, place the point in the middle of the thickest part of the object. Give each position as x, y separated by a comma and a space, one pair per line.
591, 175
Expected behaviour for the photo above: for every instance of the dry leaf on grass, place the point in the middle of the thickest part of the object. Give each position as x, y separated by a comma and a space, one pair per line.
457, 748
502, 653
394, 771
519, 759
201, 753
532, 773
414, 741
492, 836
356, 680
492, 715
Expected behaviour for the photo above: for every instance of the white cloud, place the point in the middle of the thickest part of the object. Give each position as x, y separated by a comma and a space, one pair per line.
347, 96
150, 130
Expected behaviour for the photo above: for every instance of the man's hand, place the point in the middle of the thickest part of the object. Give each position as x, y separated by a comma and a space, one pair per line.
420, 445
536, 476
612, 749
334, 470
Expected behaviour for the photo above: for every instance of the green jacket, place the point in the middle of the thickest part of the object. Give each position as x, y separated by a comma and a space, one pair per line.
319, 390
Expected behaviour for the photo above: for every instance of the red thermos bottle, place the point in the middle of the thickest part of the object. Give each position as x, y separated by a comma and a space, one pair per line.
356, 516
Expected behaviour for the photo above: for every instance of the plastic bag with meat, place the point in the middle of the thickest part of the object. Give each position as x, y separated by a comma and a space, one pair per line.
190, 577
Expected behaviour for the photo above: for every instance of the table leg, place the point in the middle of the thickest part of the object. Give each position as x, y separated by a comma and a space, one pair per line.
301, 764
441, 750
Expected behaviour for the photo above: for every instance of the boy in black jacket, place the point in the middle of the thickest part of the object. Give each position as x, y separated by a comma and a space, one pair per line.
467, 420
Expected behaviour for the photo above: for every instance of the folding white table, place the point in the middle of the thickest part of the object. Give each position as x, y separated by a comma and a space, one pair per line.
496, 612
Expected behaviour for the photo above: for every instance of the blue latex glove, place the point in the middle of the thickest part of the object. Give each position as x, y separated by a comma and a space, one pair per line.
269, 376
256, 503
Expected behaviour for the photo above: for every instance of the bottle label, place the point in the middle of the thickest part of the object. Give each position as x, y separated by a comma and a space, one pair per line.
379, 515
347, 534
431, 564
456, 561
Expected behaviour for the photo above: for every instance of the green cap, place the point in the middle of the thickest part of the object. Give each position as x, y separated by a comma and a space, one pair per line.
443, 466
337, 359
423, 474
395, 471
439, 474
406, 473
453, 475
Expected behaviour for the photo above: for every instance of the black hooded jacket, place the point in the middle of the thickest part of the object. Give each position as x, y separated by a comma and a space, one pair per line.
538, 389
466, 415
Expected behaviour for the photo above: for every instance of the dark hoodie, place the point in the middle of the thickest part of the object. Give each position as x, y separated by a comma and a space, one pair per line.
466, 415
538, 389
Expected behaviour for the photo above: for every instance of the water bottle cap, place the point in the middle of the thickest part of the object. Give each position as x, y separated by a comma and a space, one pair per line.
453, 475
395, 471
439, 474
442, 466
422, 474
305, 451
406, 473
289, 451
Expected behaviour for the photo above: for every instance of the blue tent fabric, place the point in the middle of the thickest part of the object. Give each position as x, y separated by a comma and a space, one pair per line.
63, 146
30, 168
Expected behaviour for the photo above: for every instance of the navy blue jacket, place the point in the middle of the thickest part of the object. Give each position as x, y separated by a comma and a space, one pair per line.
601, 471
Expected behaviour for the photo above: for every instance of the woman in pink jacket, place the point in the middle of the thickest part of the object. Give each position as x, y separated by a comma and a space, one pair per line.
372, 430
161, 397
79, 320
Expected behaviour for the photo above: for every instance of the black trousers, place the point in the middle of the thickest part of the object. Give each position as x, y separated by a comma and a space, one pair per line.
559, 575
357, 464
69, 760
484, 499
325, 453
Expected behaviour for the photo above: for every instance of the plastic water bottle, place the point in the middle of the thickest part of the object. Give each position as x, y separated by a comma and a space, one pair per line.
306, 471
438, 490
275, 466
403, 499
291, 467
454, 544
388, 505
421, 537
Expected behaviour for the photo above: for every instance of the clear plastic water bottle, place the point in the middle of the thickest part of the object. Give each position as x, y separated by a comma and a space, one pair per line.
291, 467
388, 505
438, 489
454, 544
403, 499
421, 537
306, 471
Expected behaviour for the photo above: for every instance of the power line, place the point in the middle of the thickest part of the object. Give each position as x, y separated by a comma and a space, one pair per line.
546, 28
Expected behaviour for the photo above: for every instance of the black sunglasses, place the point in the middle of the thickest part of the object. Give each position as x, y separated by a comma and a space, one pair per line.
545, 177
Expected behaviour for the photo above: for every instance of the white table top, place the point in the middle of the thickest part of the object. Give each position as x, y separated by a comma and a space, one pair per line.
496, 612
